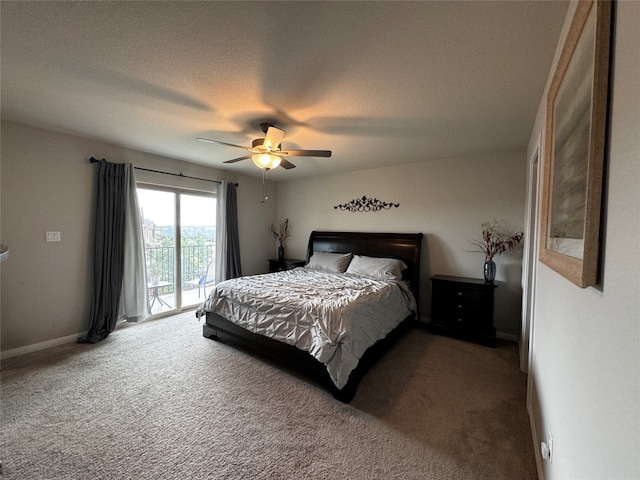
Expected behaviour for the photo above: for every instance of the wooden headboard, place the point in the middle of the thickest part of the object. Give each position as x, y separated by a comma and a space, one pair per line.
404, 246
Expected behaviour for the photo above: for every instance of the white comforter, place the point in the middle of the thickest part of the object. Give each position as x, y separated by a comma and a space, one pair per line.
335, 317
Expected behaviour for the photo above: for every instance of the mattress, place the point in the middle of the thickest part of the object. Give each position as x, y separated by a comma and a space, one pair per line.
335, 317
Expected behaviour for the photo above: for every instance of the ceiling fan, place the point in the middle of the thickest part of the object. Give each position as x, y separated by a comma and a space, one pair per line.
266, 152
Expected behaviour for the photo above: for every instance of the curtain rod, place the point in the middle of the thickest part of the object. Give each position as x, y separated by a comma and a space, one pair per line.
95, 160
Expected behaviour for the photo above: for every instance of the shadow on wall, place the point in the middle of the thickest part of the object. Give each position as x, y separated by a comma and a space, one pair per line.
508, 297
425, 275
507, 316
432, 248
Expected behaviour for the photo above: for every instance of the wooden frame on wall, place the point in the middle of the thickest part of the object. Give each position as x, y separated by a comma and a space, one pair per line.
575, 147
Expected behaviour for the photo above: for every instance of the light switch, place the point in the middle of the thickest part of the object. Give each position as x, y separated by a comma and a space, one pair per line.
53, 236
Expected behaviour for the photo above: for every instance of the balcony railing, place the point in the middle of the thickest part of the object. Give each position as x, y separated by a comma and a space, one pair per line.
160, 262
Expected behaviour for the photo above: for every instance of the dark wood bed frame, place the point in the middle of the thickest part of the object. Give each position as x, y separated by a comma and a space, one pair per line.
405, 246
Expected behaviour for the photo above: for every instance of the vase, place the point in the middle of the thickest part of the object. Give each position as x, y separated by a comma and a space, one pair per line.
280, 253
489, 271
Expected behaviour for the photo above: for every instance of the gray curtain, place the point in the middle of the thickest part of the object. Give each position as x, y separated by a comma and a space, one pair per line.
134, 300
227, 237
233, 236
111, 218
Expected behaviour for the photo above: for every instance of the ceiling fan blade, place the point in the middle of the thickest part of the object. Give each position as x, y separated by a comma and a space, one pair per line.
234, 160
273, 138
286, 164
222, 143
305, 153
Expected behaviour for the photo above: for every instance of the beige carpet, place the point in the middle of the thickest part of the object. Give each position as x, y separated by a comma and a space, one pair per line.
159, 401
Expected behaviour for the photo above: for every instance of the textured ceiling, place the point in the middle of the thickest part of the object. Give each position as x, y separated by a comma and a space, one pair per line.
378, 83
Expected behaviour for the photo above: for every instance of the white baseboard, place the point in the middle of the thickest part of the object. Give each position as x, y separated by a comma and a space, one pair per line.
508, 336
14, 352
536, 443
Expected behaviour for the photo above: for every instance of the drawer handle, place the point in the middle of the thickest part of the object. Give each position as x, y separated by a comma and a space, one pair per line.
459, 293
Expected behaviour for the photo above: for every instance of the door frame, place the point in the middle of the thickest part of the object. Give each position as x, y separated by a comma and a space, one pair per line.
530, 260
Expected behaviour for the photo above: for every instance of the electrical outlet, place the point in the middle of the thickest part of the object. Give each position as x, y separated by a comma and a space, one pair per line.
546, 448
52, 236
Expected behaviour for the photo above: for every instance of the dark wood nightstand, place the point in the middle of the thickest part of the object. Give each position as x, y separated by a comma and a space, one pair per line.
463, 308
276, 265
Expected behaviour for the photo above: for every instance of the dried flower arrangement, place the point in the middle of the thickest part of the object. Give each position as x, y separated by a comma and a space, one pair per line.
282, 232
495, 242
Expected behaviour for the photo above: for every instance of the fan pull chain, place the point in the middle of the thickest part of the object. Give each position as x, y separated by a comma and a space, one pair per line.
265, 197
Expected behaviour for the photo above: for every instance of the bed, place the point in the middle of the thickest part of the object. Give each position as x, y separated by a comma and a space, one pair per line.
332, 326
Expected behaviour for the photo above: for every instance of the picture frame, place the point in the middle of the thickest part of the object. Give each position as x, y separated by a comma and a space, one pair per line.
575, 141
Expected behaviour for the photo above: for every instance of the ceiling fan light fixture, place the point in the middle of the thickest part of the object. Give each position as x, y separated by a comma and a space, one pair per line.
266, 152
264, 160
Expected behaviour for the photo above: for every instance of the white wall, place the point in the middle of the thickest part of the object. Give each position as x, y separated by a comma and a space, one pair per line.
447, 200
47, 185
585, 371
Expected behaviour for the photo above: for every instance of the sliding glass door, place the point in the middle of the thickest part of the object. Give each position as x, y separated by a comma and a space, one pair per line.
198, 246
158, 216
179, 230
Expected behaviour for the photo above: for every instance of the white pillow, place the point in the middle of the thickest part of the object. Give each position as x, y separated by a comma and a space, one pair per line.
378, 268
332, 262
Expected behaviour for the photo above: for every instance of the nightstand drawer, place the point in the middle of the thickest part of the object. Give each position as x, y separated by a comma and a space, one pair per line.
463, 302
